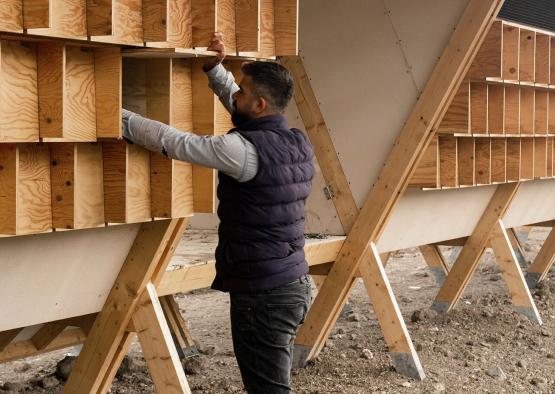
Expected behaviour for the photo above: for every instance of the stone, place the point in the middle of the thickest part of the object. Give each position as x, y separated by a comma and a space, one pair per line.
439, 387
545, 332
12, 387
126, 367
353, 317
48, 382
550, 355
522, 364
538, 381
367, 354
496, 373
194, 365
64, 367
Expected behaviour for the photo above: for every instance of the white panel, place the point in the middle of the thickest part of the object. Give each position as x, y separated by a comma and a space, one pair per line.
53, 276
534, 203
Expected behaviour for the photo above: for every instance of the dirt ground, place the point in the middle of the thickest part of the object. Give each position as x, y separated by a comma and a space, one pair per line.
462, 352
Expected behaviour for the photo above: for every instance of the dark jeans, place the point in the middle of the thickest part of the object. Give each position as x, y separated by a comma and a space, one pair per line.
263, 327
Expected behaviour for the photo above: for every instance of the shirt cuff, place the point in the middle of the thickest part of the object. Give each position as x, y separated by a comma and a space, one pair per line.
215, 71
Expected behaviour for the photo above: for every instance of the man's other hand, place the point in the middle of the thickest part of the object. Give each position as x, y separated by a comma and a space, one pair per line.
216, 45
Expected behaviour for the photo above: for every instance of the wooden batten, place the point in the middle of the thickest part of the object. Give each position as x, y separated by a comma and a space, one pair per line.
526, 110
77, 185
478, 108
126, 169
527, 55
540, 157
456, 118
19, 120
498, 160
512, 110
527, 158
66, 89
487, 63
286, 16
108, 92
540, 111
25, 189
549, 157
55, 18
448, 176
510, 61
247, 26
465, 161
496, 105
542, 58
426, 174
115, 21
168, 23
552, 61
11, 16
267, 29
513, 159
483, 161
551, 113
210, 16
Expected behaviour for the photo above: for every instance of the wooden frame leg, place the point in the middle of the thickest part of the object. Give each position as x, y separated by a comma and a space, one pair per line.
178, 327
515, 242
543, 262
435, 261
467, 262
121, 351
510, 270
147, 259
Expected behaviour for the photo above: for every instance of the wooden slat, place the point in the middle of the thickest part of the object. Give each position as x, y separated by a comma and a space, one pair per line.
496, 106
11, 16
456, 119
552, 60
127, 23
498, 160
51, 59
46, 334
121, 351
6, 337
19, 92
478, 108
551, 113
540, 157
448, 161
225, 22
108, 93
542, 58
527, 158
511, 44
513, 159
527, 55
267, 25
427, 173
204, 22
67, 18
155, 20
99, 17
465, 161
286, 19
512, 110
180, 33
526, 111
549, 158
483, 161
540, 108
434, 259
37, 13
544, 260
247, 25
487, 62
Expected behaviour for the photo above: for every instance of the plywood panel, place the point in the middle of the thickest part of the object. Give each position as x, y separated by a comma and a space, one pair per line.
465, 161
99, 17
204, 22
498, 160
267, 35
540, 108
526, 111
158, 82
247, 14
527, 158
8, 188
457, 115
225, 23
549, 157
67, 18
11, 16
114, 173
19, 92
448, 161
426, 174
181, 111
512, 110
37, 13
478, 108
488, 60
552, 61
108, 80
551, 113
511, 44
527, 55
483, 161
540, 157
155, 20
496, 105
286, 14
127, 23
513, 159
51, 59
542, 58
180, 29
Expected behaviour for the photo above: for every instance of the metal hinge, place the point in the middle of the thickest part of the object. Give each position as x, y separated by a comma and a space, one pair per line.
328, 192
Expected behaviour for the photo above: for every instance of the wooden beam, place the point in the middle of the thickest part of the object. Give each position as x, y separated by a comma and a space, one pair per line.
121, 351
140, 265
7, 336
435, 261
46, 334
178, 327
510, 270
543, 262
465, 265
515, 243
416, 134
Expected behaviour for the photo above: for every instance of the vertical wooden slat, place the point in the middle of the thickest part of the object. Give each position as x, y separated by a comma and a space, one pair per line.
456, 119
498, 160
542, 58
204, 22
155, 20
496, 105
527, 55
513, 159
527, 158
108, 85
478, 108
483, 161
540, 157
487, 62
267, 35
512, 110
247, 25
526, 110
286, 27
427, 172
465, 161
511, 41
448, 161
11, 16
540, 108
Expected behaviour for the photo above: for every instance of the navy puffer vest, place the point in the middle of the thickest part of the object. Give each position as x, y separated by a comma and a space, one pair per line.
261, 232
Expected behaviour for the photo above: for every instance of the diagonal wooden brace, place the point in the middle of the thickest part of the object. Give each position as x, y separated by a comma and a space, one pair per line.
435, 261
511, 272
543, 262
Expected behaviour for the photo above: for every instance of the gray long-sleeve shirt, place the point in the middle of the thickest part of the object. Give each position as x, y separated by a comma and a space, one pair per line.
230, 153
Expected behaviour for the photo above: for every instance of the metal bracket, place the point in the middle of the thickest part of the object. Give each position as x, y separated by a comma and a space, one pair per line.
328, 192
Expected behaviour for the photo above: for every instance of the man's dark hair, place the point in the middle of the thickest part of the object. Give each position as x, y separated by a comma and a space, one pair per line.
272, 81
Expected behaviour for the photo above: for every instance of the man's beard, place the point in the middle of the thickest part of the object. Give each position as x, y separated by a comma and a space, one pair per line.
239, 118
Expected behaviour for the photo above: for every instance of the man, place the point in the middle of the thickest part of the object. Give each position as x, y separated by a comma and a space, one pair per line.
265, 174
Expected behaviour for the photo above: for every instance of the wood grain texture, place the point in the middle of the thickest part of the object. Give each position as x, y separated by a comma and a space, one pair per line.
134, 85
465, 161
155, 20
549, 157
487, 62
483, 161
114, 174
127, 23
527, 158
478, 108
68, 19
540, 109
427, 174
37, 13
79, 95
138, 197
286, 27
225, 22
180, 28
161, 170
526, 110
19, 92
8, 188
51, 60
552, 60
247, 22
551, 113
100, 17
182, 187
448, 161
496, 105
181, 108
511, 43
267, 34
108, 92
204, 22
498, 160
158, 85
540, 157
513, 159
456, 119
11, 16
89, 189
542, 58
62, 159
512, 110
527, 55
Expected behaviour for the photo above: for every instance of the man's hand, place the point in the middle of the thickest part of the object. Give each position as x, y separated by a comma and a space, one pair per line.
216, 45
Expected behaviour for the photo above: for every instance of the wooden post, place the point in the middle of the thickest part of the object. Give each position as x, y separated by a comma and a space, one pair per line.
416, 134
436, 262
516, 244
543, 262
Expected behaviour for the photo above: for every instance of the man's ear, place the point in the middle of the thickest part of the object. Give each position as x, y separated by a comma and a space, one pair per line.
261, 105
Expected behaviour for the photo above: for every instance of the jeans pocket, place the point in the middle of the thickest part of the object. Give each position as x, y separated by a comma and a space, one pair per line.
284, 319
